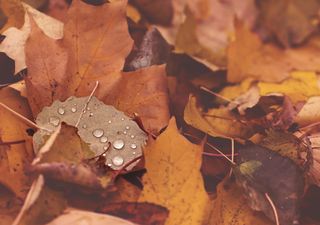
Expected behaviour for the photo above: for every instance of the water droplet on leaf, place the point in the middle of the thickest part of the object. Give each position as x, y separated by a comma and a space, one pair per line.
103, 139
133, 146
117, 160
98, 133
61, 111
118, 144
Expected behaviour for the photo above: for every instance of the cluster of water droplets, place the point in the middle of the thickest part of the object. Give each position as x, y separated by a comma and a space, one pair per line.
108, 132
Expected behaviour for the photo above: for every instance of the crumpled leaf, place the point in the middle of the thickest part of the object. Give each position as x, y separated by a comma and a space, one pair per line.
70, 79
216, 122
248, 56
18, 152
139, 213
230, 207
262, 171
41, 205
292, 22
173, 179
76, 216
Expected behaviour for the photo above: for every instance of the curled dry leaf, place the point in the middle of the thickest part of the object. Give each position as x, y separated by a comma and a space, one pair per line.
16, 148
76, 216
230, 207
173, 179
216, 122
248, 56
81, 65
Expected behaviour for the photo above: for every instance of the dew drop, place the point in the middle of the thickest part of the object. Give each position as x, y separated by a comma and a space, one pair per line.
103, 139
122, 119
125, 132
73, 110
117, 161
104, 154
118, 144
84, 126
132, 136
127, 128
105, 147
54, 121
109, 121
88, 108
91, 114
133, 146
61, 111
134, 153
98, 133
109, 164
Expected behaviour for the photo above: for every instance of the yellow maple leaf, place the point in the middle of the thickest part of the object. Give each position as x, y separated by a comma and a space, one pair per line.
173, 178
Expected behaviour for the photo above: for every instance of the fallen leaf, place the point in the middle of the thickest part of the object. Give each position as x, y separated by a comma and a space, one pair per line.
230, 207
248, 56
42, 204
16, 147
216, 122
64, 160
173, 179
14, 43
9, 206
147, 85
309, 113
292, 22
298, 87
286, 144
15, 13
262, 171
76, 216
153, 50
139, 213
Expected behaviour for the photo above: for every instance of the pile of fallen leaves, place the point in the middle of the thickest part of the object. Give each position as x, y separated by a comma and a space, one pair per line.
200, 112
